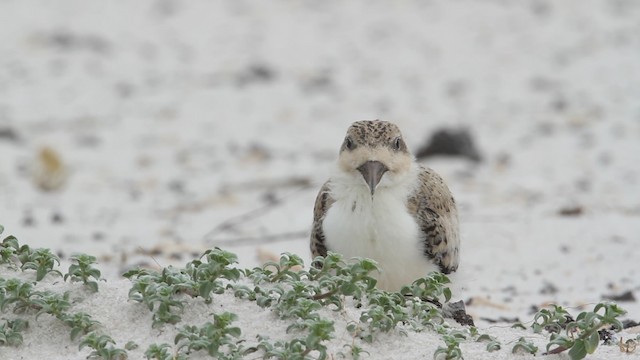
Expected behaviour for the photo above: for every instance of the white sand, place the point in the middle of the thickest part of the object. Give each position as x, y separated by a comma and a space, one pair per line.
167, 134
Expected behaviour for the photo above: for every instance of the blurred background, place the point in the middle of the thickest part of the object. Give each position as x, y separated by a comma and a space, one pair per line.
145, 132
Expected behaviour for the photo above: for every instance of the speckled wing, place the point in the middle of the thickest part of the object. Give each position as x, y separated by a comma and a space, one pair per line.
435, 211
323, 203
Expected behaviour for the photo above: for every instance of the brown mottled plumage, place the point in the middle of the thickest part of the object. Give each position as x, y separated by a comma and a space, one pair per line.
382, 205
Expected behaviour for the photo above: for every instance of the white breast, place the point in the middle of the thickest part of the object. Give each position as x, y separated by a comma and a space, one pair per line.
379, 228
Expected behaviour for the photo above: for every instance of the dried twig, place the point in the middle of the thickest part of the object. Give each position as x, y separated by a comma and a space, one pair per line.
557, 350
292, 181
252, 214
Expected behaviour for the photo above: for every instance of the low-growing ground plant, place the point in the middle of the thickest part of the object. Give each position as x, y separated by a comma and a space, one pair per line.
8, 249
80, 323
41, 260
524, 346
51, 303
355, 352
293, 293
22, 298
162, 291
552, 320
452, 350
11, 331
20, 294
218, 339
299, 296
102, 346
492, 343
82, 269
162, 352
580, 336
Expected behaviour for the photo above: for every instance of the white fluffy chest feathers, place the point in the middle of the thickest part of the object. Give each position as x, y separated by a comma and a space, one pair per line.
379, 228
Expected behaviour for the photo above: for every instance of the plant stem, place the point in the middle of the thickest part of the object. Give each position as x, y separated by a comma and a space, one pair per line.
325, 295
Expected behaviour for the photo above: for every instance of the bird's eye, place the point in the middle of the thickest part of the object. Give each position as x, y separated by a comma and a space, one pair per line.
397, 143
348, 143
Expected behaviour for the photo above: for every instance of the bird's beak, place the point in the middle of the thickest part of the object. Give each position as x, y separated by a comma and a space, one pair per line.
372, 172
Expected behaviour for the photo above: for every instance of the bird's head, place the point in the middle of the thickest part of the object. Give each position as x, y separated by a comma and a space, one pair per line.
374, 153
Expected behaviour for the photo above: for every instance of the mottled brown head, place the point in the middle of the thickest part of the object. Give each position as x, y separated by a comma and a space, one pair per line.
375, 152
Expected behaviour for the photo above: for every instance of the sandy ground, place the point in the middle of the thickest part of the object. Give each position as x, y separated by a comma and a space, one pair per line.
181, 126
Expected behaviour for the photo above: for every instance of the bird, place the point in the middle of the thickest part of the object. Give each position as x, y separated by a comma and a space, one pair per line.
379, 203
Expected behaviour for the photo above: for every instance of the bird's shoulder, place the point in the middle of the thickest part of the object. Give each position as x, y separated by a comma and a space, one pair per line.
324, 200
431, 192
435, 211
322, 204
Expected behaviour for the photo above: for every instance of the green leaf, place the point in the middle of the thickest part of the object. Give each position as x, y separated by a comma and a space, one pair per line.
440, 351
75, 332
95, 273
561, 341
578, 351
537, 328
493, 346
617, 324
525, 346
591, 344
348, 289
40, 273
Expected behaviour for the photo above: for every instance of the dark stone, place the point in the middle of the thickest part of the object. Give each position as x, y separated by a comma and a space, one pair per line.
124, 89
541, 8
176, 186
9, 134
135, 194
28, 220
456, 88
450, 142
270, 198
548, 289
459, 314
71, 41
629, 323
57, 218
320, 82
626, 296
571, 211
258, 73
88, 141
501, 319
167, 8
559, 104
533, 309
